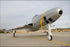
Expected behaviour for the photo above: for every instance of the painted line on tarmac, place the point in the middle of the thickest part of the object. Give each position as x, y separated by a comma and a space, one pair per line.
52, 41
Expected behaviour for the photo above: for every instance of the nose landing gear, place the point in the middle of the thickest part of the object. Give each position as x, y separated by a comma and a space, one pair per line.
49, 36
49, 33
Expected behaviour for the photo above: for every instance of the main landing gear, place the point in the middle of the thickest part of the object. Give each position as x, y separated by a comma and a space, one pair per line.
14, 31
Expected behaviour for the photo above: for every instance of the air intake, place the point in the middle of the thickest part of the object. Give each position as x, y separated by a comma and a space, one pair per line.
60, 12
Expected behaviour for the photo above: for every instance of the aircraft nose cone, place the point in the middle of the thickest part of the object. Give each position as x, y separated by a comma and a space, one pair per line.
60, 12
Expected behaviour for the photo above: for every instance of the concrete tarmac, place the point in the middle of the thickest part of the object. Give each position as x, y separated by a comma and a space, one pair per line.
61, 39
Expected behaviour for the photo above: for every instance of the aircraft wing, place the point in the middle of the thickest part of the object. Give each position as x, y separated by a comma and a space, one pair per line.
29, 26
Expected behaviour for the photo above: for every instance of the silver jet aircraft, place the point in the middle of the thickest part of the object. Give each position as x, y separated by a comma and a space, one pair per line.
39, 21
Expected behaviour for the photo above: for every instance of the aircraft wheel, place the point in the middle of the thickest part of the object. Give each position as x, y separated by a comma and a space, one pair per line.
13, 34
47, 33
50, 37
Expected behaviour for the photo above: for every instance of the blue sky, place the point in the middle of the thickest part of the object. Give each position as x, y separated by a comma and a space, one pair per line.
16, 13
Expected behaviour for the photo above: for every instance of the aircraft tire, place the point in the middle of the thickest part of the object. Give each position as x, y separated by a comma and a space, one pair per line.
13, 34
50, 38
47, 33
